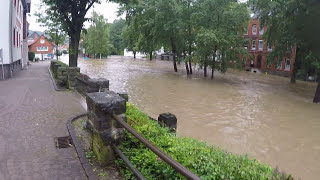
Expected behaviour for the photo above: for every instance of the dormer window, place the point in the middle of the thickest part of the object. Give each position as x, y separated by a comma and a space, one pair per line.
254, 30
42, 41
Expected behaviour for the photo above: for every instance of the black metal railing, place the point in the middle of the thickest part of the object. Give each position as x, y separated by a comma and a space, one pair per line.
166, 158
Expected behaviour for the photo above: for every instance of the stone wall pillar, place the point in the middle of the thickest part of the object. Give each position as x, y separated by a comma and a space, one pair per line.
168, 120
62, 76
73, 73
106, 130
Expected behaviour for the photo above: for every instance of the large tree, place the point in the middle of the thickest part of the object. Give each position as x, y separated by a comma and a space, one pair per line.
221, 25
292, 23
53, 28
115, 36
71, 15
96, 41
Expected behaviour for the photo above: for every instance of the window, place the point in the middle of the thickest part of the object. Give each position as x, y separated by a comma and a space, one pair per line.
261, 31
254, 29
14, 37
253, 46
279, 66
269, 47
42, 41
42, 48
17, 39
287, 68
260, 45
289, 48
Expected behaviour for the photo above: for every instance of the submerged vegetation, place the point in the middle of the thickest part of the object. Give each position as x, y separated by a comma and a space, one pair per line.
207, 162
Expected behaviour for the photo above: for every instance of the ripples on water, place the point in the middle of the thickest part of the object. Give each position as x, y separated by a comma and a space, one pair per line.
261, 115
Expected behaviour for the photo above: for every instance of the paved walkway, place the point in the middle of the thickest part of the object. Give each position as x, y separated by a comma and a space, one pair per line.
32, 113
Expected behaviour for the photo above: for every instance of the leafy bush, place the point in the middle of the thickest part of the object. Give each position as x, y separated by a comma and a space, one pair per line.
207, 162
31, 55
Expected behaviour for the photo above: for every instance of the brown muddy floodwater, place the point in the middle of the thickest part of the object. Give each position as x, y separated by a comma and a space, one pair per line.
261, 115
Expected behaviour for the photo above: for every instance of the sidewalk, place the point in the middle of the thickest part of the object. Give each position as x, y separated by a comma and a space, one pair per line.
32, 113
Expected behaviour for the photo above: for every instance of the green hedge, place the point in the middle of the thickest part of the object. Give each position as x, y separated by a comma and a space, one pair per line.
62, 64
208, 162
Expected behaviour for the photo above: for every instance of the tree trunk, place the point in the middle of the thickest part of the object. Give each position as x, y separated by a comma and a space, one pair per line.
205, 69
173, 46
57, 53
296, 66
186, 63
100, 56
150, 55
74, 49
316, 98
214, 61
57, 45
190, 67
134, 54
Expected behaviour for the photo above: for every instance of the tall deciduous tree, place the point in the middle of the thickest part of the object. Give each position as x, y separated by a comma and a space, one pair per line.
296, 24
53, 28
115, 36
71, 15
97, 37
221, 25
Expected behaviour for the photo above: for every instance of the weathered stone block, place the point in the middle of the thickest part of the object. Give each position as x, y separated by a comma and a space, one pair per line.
116, 124
103, 152
168, 120
98, 85
124, 95
112, 136
100, 107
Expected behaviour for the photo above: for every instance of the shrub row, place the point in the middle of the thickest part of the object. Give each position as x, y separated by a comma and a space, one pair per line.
207, 162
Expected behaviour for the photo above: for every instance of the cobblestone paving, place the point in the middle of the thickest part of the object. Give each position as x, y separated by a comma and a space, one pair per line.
32, 113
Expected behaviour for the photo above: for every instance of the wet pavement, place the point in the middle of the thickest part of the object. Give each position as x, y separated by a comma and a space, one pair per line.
32, 113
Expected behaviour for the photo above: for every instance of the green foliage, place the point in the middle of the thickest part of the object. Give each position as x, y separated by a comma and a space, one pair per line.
115, 36
31, 55
207, 162
96, 41
291, 24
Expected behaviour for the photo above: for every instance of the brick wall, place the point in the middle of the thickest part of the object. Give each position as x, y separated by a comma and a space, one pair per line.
33, 47
259, 57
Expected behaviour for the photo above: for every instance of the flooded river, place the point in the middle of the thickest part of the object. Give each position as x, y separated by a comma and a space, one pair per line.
261, 115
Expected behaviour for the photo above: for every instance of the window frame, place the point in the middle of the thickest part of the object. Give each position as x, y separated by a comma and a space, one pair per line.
42, 41
14, 37
254, 30
253, 45
259, 45
287, 67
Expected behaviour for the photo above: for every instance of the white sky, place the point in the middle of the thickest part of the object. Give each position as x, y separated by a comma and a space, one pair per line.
108, 10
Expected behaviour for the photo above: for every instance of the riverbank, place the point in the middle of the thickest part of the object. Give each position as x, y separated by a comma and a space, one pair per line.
261, 115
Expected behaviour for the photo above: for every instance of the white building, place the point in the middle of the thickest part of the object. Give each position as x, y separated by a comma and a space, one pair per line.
13, 42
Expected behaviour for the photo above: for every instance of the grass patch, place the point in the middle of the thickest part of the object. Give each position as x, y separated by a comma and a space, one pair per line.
207, 162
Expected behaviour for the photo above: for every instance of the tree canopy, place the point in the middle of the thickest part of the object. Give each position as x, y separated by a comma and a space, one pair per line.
290, 24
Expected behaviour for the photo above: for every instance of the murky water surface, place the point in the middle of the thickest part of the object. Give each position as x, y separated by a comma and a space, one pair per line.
245, 113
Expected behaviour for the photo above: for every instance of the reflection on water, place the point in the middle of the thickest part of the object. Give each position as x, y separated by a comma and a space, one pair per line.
245, 113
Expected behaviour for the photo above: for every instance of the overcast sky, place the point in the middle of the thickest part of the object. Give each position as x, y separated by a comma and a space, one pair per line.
109, 11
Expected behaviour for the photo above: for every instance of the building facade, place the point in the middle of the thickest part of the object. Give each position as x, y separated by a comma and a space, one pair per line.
42, 48
13, 30
259, 49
